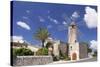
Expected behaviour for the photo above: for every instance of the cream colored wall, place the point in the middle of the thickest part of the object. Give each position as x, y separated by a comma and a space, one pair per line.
32, 48
72, 34
75, 49
56, 48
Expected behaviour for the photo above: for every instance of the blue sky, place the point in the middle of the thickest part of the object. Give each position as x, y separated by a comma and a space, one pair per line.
29, 16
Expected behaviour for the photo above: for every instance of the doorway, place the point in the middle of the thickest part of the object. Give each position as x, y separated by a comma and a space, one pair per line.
74, 56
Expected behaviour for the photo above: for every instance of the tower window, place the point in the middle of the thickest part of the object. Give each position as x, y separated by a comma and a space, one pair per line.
75, 41
71, 47
73, 26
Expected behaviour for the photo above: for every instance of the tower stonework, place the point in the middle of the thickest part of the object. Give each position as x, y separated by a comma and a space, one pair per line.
72, 41
76, 50
72, 33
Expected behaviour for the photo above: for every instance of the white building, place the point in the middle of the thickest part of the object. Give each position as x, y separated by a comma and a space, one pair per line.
25, 44
55, 45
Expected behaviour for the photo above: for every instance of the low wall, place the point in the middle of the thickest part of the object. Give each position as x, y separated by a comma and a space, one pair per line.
32, 60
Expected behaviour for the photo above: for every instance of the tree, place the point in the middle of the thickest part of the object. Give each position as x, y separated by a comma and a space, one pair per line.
48, 44
89, 50
42, 34
95, 54
42, 51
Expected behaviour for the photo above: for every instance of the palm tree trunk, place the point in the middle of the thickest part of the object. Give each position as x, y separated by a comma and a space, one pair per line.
43, 43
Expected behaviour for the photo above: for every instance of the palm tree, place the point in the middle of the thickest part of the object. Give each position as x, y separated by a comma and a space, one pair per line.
42, 34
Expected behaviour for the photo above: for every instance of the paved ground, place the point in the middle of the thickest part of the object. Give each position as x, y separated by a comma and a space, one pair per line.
81, 60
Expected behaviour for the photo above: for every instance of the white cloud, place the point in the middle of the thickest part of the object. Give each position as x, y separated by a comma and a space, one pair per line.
90, 17
64, 23
24, 17
75, 15
27, 11
17, 39
23, 25
41, 19
53, 20
93, 45
49, 18
49, 26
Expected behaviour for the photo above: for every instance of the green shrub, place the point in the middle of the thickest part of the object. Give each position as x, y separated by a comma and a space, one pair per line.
22, 52
63, 56
95, 54
68, 58
42, 51
55, 58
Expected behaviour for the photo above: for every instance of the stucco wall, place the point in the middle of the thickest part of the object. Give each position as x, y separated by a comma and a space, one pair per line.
32, 60
56, 48
74, 48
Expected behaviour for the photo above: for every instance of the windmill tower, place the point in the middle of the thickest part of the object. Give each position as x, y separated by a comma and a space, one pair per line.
73, 47
72, 33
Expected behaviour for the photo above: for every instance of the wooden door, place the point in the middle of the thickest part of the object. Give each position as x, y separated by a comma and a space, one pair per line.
74, 56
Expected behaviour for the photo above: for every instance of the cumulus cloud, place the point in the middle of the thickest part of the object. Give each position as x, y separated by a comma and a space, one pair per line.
75, 15
93, 45
64, 23
90, 17
41, 19
23, 25
17, 39
27, 11
53, 20
24, 17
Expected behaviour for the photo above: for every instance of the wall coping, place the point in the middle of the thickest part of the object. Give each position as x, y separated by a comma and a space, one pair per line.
31, 56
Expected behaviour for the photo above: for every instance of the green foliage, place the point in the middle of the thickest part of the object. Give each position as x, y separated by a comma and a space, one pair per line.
55, 58
89, 50
95, 54
42, 34
48, 44
22, 52
14, 52
62, 55
68, 58
42, 51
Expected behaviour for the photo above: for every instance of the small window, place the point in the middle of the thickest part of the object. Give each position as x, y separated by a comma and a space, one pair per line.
71, 47
75, 41
73, 26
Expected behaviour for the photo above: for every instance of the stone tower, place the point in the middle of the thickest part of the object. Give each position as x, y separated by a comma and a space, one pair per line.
72, 33
73, 51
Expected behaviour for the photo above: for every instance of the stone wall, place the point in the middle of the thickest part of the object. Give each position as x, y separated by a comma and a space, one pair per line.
32, 60
83, 51
63, 47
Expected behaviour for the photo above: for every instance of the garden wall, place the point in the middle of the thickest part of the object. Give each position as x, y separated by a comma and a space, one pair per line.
32, 60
